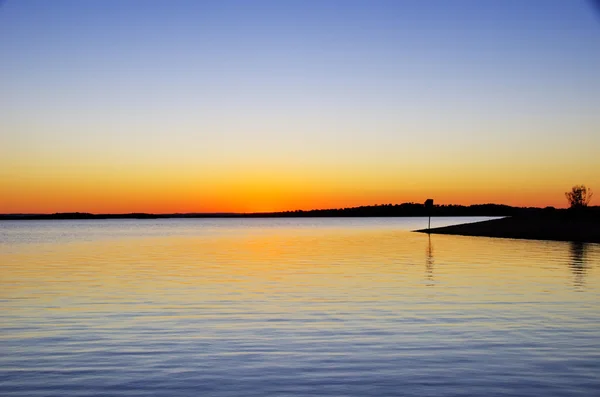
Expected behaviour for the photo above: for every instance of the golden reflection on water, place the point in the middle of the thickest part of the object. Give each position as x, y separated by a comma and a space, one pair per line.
364, 264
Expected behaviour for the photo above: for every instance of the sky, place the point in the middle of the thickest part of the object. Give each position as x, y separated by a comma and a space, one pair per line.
243, 106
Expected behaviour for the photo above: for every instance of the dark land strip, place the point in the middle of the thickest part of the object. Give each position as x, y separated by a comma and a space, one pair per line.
384, 210
558, 226
548, 223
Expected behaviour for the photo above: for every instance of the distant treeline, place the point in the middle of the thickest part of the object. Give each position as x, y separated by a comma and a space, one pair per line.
384, 210
415, 209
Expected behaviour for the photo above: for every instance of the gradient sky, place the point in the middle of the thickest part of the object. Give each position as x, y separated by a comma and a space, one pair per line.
192, 106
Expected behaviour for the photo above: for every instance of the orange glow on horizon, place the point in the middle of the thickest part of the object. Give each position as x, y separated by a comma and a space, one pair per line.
51, 185
169, 200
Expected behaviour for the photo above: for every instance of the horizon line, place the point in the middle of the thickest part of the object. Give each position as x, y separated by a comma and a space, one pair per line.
265, 212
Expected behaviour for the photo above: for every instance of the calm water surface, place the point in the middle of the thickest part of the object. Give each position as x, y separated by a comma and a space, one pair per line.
346, 307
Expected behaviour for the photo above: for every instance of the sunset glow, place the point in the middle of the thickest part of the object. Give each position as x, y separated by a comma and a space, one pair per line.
230, 106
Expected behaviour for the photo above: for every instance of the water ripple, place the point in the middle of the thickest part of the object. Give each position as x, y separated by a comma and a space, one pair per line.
347, 307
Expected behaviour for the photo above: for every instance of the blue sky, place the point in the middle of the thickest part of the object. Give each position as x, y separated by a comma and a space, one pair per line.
306, 85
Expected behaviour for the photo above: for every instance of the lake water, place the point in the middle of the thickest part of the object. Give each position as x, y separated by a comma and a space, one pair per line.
293, 307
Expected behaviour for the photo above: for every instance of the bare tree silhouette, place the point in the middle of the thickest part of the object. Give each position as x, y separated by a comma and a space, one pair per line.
579, 196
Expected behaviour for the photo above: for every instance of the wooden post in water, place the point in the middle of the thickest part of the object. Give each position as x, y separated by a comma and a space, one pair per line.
429, 206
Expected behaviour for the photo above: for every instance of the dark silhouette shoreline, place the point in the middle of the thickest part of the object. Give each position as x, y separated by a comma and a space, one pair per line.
518, 222
384, 210
564, 225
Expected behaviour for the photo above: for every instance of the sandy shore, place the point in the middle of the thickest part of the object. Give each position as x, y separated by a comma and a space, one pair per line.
559, 228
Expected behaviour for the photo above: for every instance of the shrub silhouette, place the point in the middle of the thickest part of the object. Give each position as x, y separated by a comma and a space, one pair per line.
579, 196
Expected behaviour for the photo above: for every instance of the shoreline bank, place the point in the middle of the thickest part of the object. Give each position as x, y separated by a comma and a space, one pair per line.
555, 228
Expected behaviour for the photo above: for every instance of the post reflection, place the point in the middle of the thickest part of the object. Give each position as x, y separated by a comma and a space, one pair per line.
429, 262
578, 262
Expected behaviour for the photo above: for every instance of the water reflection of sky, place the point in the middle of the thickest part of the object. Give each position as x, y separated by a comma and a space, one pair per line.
293, 303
